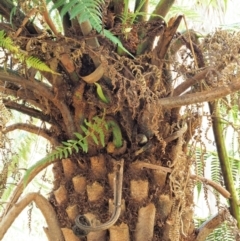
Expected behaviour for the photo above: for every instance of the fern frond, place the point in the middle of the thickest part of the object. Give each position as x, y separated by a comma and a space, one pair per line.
7, 43
90, 10
94, 130
221, 233
36, 63
215, 169
101, 94
31, 61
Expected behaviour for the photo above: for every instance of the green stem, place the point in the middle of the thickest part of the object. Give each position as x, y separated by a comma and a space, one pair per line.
141, 6
117, 134
161, 9
224, 160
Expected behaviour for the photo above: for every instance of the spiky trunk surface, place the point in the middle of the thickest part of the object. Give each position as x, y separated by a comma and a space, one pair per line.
152, 206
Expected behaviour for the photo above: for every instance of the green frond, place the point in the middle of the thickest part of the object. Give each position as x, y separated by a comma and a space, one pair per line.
101, 94
90, 10
78, 135
199, 168
31, 61
83, 10
38, 64
235, 166
12, 13
223, 232
84, 129
7, 43
94, 130
84, 145
117, 135
215, 169
95, 139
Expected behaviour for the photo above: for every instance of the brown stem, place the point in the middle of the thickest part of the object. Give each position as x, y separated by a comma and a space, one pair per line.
207, 227
48, 20
204, 96
161, 9
191, 81
164, 42
25, 95
44, 91
25, 20
29, 111
23, 184
32, 129
214, 185
176, 134
118, 7
47, 210
65, 21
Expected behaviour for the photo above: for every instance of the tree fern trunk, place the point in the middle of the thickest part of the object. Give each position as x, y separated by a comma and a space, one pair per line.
85, 187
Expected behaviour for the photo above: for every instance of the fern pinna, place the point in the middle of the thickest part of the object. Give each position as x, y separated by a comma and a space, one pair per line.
95, 130
88, 10
31, 61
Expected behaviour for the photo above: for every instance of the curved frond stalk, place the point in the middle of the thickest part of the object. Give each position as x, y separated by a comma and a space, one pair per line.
31, 129
43, 90
211, 224
28, 177
53, 232
208, 95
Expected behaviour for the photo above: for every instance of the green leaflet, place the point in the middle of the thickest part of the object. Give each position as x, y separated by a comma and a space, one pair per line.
7, 43
90, 10
100, 94
31, 61
117, 134
95, 130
